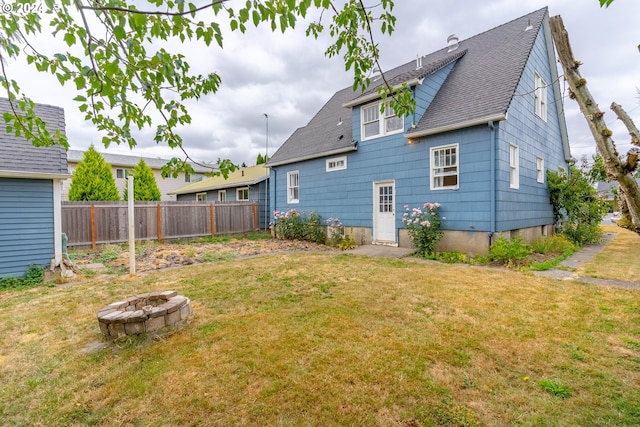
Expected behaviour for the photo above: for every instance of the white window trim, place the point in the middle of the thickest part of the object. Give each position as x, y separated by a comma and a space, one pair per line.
222, 195
290, 198
239, 190
124, 172
540, 170
200, 198
514, 166
382, 131
540, 96
432, 167
335, 161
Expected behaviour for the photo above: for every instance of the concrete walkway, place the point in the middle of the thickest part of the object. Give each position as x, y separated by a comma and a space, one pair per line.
565, 271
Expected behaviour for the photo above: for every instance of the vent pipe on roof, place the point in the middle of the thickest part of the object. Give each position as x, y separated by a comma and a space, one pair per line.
418, 62
376, 74
529, 26
452, 41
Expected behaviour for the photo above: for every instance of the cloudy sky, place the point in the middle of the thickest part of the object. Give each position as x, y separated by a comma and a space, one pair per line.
289, 78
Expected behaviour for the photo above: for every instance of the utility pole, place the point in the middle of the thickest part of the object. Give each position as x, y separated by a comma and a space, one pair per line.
266, 156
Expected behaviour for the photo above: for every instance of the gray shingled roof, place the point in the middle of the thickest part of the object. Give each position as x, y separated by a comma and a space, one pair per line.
481, 84
19, 157
123, 160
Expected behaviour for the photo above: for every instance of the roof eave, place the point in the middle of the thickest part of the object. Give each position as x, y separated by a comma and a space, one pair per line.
33, 175
376, 95
456, 126
221, 186
313, 156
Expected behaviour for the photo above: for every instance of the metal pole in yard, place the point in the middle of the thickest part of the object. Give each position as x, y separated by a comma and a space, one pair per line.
132, 227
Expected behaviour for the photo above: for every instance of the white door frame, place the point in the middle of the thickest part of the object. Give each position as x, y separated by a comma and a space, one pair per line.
384, 224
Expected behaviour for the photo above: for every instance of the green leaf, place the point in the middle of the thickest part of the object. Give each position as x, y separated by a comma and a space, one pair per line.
70, 39
119, 33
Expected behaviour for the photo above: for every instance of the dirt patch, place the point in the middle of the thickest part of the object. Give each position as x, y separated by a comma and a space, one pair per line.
154, 256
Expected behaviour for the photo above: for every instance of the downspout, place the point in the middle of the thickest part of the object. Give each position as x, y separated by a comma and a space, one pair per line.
492, 180
273, 188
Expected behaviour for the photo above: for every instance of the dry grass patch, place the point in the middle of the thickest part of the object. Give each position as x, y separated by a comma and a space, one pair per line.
311, 339
619, 260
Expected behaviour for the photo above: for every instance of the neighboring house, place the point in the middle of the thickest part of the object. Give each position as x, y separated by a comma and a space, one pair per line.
121, 165
30, 197
608, 191
489, 122
245, 184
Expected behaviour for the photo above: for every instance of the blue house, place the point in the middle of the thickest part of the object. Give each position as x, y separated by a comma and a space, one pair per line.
30, 197
489, 123
248, 184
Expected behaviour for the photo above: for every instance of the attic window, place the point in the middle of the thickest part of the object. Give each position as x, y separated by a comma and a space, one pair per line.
540, 96
373, 126
336, 163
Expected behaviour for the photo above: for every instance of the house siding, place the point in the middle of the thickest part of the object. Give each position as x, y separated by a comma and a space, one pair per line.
529, 205
26, 225
257, 193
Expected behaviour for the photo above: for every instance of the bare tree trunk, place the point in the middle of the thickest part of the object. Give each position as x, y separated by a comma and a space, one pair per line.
615, 167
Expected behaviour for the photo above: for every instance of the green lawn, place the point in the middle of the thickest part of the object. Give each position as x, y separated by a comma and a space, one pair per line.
329, 339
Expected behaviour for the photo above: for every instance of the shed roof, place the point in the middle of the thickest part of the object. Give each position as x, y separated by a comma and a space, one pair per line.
20, 158
131, 161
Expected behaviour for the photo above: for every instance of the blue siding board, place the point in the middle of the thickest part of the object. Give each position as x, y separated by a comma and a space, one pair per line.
26, 224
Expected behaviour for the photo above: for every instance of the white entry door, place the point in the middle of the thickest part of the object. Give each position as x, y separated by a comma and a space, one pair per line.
384, 215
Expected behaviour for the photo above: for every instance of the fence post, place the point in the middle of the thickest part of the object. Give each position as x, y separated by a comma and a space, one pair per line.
92, 212
212, 217
254, 211
159, 219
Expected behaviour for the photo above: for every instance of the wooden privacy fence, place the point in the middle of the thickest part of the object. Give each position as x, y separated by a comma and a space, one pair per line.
95, 223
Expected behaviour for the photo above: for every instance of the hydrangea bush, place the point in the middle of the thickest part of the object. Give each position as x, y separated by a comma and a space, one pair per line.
423, 225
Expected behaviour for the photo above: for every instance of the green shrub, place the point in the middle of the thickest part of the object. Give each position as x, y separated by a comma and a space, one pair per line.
337, 238
294, 225
449, 257
556, 244
32, 277
510, 252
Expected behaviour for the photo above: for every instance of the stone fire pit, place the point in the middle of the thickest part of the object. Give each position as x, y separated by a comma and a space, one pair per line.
143, 314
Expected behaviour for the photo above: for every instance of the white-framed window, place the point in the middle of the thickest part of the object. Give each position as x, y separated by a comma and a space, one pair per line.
122, 173
540, 170
540, 95
444, 167
222, 195
293, 187
187, 177
336, 163
514, 166
373, 126
242, 193
201, 197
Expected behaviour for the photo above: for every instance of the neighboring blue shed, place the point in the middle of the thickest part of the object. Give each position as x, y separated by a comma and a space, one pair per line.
244, 184
30, 197
488, 125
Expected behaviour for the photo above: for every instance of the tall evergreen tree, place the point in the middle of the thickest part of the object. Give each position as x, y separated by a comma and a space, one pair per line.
259, 159
93, 180
145, 187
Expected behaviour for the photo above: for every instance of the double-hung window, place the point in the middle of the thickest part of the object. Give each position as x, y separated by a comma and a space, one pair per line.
375, 123
222, 195
514, 167
540, 95
201, 197
444, 167
242, 194
293, 195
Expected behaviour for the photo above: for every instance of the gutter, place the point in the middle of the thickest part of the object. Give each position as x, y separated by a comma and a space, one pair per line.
313, 156
33, 175
376, 95
456, 126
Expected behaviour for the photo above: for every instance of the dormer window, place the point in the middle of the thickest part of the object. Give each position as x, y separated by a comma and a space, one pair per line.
373, 126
